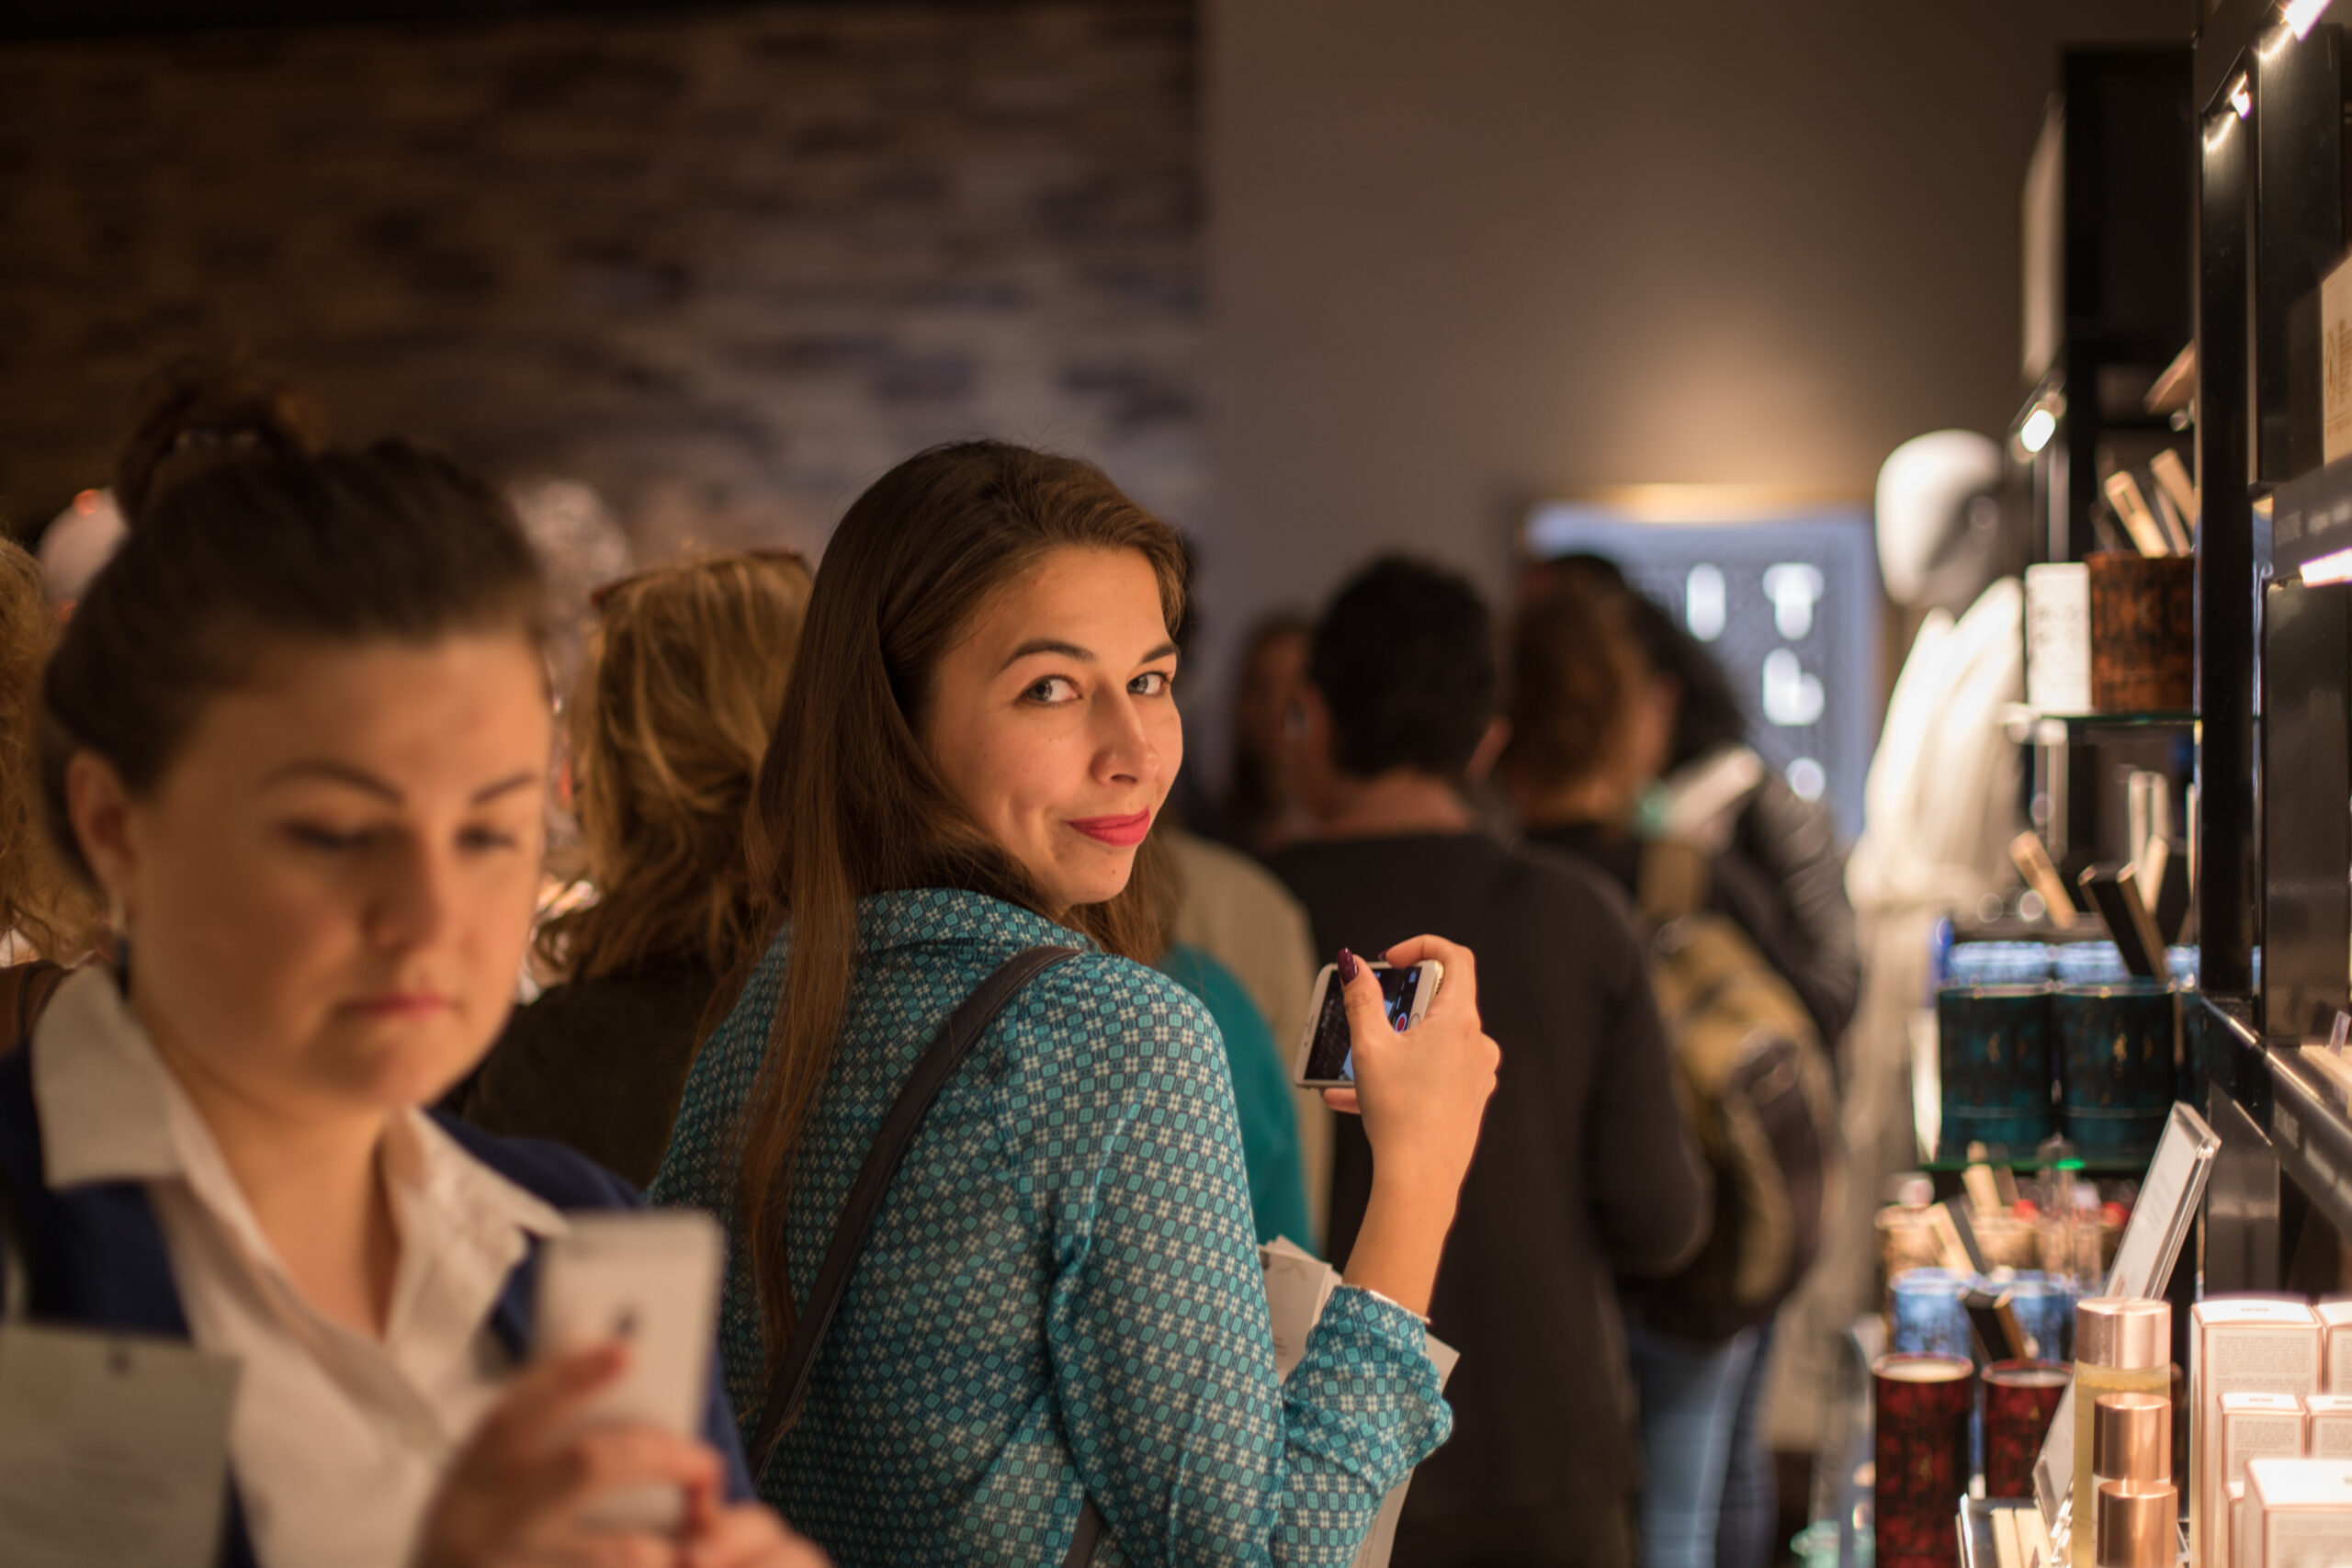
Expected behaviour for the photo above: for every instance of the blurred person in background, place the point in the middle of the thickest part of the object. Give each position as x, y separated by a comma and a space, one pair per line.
47, 923
1780, 852
1265, 807
1592, 721
677, 701
1585, 1166
77, 542
296, 735
1235, 912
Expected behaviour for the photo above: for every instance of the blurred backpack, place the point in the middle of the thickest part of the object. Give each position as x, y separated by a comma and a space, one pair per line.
1756, 1082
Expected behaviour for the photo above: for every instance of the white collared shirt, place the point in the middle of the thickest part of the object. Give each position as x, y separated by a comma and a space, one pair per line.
337, 1441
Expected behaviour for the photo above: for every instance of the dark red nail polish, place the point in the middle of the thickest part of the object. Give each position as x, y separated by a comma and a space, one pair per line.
1347, 967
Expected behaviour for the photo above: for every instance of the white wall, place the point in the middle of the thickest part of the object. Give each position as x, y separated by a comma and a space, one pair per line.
1464, 255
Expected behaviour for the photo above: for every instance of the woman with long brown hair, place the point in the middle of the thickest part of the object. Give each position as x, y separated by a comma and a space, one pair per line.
685, 675
1060, 1303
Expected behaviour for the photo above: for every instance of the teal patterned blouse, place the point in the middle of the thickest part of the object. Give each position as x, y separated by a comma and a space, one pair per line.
1061, 1297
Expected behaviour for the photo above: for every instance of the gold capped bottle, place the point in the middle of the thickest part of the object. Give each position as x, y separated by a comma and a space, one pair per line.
2121, 1345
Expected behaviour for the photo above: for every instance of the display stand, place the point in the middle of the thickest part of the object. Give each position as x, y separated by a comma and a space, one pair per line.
2270, 735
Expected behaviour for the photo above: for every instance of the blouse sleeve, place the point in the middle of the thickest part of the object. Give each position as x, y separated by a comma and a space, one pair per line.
1156, 1324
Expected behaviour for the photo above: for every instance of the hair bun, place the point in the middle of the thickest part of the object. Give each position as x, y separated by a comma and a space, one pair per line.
203, 414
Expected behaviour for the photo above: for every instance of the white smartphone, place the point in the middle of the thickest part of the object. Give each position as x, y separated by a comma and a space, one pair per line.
649, 1277
1327, 1056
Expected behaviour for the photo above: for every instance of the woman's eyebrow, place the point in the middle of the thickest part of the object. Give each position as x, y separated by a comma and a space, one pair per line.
492, 792
1046, 645
333, 772
360, 779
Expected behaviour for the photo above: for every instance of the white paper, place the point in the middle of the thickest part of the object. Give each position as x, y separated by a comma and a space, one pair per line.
114, 1450
1298, 1287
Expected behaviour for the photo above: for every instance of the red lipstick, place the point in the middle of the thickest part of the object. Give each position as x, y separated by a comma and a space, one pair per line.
1120, 833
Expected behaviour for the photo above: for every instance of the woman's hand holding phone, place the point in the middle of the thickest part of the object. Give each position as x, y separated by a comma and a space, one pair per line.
518, 1494
1422, 1097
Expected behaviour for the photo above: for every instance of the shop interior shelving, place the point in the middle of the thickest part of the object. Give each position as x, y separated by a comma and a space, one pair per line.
2110, 225
2274, 657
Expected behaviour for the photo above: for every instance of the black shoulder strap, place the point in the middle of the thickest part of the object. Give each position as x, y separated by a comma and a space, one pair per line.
789, 1384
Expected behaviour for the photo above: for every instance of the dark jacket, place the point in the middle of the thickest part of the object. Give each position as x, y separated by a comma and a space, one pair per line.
1783, 879
596, 1065
1584, 1166
97, 1258
1690, 1306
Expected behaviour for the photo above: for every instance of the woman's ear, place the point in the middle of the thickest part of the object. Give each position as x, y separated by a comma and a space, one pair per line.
98, 806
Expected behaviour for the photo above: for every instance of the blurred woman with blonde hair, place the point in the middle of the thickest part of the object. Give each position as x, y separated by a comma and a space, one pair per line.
46, 921
684, 681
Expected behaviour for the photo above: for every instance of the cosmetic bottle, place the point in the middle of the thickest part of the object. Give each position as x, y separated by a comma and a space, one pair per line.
2121, 1345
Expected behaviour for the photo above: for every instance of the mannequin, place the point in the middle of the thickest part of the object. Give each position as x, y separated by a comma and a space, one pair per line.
1942, 808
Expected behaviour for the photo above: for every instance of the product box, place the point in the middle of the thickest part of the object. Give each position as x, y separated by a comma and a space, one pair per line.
2329, 1435
2335, 1333
2058, 637
2238, 1345
2256, 1426
2298, 1514
2242, 1552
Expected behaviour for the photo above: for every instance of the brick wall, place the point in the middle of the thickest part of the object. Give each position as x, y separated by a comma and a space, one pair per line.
725, 267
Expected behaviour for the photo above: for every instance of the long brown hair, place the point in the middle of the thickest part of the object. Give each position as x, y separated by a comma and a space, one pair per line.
685, 675
850, 805
1576, 668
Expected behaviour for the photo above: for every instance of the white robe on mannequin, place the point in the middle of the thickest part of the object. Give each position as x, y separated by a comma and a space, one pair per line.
1942, 805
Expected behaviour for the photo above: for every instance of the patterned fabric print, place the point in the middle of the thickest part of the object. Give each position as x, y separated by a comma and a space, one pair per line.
1061, 1297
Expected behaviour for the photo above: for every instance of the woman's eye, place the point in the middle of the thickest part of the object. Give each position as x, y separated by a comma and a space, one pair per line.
1150, 683
327, 840
1053, 689
479, 840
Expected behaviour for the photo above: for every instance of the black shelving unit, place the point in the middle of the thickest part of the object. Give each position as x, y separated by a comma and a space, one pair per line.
2274, 655
2111, 254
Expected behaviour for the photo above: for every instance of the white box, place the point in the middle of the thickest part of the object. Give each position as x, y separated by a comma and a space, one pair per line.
2335, 1334
2336, 363
2238, 1345
2298, 1514
2058, 637
2329, 1436
2256, 1426
2241, 1552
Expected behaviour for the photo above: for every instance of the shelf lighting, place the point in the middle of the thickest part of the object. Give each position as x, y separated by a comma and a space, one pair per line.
2241, 97
2334, 568
2039, 427
2304, 15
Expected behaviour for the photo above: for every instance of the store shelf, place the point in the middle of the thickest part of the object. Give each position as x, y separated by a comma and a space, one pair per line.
2096, 1164
2311, 1134
2027, 724
2310, 517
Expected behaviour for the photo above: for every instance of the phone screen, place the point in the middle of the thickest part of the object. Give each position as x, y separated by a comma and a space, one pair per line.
1333, 1056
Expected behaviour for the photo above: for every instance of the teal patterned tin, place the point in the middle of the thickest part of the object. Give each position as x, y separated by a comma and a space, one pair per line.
1993, 1049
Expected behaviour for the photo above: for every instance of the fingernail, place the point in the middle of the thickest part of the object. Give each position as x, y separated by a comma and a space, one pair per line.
1347, 967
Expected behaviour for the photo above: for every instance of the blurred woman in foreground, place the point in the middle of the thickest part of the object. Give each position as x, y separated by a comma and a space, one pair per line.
297, 735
